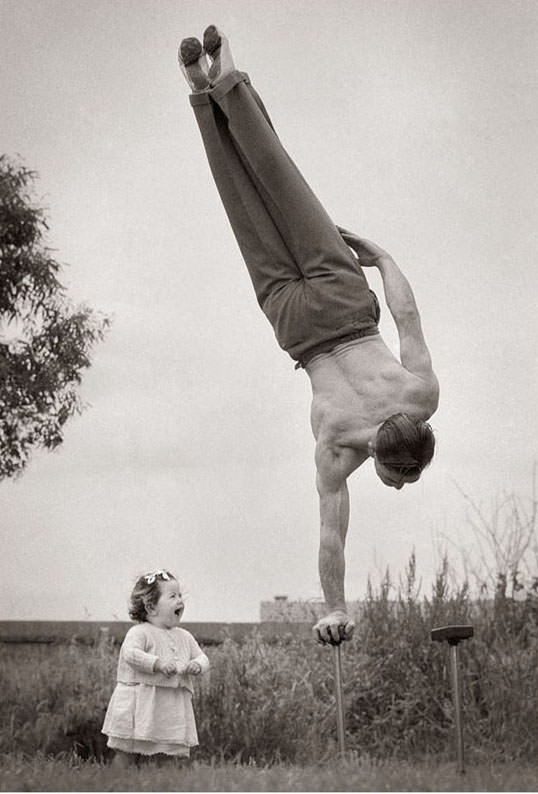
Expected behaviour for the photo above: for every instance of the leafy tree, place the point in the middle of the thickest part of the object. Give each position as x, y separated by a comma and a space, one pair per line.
45, 342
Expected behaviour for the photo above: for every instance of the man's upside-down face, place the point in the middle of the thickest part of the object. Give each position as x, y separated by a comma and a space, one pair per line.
395, 478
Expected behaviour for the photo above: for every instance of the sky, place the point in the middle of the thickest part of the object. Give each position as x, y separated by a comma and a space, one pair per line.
414, 121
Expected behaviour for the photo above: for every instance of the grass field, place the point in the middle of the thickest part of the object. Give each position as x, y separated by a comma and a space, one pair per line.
71, 774
266, 712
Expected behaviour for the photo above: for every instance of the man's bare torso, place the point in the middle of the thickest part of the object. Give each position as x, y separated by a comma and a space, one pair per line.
355, 388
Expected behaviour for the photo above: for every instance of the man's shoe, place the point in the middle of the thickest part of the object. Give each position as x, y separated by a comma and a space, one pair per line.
217, 47
193, 64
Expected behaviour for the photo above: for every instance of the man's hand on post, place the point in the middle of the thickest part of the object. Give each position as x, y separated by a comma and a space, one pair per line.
333, 629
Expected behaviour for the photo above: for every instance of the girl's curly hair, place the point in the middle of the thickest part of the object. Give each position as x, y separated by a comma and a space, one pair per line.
145, 594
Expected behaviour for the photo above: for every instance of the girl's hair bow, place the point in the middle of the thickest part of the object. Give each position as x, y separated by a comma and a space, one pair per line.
151, 577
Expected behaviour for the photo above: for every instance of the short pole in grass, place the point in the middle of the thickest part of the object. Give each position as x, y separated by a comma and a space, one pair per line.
339, 690
454, 635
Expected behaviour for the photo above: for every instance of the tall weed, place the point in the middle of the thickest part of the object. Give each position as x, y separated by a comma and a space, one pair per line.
267, 702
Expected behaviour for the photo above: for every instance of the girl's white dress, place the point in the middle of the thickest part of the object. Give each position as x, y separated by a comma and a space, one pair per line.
149, 712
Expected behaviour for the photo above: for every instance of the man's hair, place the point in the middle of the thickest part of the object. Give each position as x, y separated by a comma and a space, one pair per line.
404, 444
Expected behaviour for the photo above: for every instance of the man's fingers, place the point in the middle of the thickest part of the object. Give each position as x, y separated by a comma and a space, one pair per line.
324, 636
348, 630
320, 636
347, 236
336, 634
341, 632
361, 244
333, 632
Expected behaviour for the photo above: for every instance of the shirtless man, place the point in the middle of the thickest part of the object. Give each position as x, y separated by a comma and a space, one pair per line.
311, 287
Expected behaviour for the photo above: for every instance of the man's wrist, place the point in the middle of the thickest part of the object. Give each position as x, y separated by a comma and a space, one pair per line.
383, 262
339, 612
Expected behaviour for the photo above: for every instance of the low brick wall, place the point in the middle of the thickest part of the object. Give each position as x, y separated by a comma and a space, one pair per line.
91, 631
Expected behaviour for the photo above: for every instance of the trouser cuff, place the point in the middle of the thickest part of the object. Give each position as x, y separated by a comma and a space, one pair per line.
222, 88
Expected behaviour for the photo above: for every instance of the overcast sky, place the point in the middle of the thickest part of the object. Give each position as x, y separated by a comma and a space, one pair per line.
415, 122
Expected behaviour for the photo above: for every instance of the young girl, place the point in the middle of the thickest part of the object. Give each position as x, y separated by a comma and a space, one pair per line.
150, 711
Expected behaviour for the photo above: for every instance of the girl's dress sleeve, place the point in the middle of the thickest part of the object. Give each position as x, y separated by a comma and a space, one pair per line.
197, 655
134, 652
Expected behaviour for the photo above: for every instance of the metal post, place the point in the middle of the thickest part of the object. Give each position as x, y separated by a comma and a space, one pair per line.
454, 635
456, 699
339, 700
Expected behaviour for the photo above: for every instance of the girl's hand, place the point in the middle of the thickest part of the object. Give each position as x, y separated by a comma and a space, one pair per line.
193, 668
369, 253
166, 666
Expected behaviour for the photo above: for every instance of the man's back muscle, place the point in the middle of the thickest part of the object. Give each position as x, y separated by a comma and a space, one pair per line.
356, 387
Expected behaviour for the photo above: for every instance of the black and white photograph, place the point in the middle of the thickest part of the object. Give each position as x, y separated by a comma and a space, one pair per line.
268, 395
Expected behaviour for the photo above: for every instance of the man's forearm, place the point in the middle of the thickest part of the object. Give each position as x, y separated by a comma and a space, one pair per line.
398, 292
332, 569
334, 515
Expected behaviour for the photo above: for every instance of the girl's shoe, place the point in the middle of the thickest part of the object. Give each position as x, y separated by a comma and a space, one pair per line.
193, 64
217, 47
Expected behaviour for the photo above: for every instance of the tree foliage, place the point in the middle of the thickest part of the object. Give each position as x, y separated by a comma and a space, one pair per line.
45, 342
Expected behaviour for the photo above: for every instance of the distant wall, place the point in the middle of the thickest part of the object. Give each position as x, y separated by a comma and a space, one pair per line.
280, 610
91, 631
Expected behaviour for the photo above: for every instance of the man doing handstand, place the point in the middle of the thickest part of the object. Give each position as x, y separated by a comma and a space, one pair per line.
311, 287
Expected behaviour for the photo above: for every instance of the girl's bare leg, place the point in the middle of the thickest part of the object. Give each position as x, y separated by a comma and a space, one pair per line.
123, 760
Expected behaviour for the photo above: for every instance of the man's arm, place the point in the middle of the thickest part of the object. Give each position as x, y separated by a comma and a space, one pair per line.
414, 353
334, 521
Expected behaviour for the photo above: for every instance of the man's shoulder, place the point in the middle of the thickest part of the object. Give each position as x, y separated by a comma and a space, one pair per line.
423, 394
337, 458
